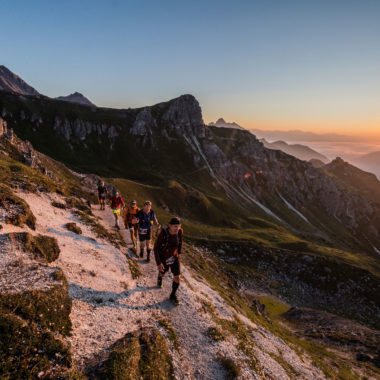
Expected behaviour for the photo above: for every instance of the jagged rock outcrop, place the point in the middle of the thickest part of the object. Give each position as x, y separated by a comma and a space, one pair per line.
185, 114
251, 175
144, 123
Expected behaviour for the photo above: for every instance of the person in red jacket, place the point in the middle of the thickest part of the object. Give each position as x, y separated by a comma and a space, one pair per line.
116, 204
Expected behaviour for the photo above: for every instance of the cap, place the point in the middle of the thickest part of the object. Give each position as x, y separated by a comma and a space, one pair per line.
175, 220
133, 202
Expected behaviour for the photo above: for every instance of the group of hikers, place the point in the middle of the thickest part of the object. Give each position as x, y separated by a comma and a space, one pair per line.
139, 222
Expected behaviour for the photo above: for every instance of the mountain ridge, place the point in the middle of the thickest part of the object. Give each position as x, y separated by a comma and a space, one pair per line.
13, 83
141, 142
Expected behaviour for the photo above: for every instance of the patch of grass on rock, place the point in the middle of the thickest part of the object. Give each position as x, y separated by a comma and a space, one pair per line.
215, 334
17, 211
73, 228
41, 247
142, 354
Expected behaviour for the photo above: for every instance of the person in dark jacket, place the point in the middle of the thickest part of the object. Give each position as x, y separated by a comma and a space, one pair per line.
145, 219
102, 194
167, 251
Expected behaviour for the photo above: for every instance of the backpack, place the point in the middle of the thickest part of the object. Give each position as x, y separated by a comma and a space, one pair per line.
166, 238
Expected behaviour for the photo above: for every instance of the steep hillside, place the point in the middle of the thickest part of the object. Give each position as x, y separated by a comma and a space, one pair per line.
13, 83
366, 184
99, 314
169, 141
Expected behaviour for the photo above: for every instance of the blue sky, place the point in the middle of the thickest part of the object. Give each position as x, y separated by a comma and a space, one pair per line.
312, 65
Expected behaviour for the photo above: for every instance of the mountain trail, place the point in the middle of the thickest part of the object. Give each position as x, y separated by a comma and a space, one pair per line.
108, 303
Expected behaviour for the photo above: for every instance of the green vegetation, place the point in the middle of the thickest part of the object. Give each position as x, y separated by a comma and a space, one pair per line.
32, 323
49, 308
26, 350
133, 267
215, 334
221, 277
44, 248
17, 210
73, 228
172, 336
141, 354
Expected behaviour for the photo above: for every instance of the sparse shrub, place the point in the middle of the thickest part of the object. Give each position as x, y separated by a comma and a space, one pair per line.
215, 334
73, 228
50, 308
17, 210
41, 246
27, 350
15, 168
172, 336
58, 205
142, 354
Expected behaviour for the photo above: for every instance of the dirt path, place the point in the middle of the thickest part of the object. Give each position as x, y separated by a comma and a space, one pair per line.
108, 303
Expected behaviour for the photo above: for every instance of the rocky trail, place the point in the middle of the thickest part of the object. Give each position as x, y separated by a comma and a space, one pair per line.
109, 303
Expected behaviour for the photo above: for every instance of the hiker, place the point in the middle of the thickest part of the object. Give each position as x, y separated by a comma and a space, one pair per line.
116, 204
129, 217
145, 219
167, 250
102, 194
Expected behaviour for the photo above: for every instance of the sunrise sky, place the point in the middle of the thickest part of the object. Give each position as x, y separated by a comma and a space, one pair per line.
310, 65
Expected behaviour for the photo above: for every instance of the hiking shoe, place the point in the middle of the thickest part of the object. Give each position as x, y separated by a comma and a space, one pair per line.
159, 282
174, 300
141, 254
148, 259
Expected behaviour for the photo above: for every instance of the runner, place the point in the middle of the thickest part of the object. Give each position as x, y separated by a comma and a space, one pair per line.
116, 204
102, 194
145, 219
129, 216
167, 250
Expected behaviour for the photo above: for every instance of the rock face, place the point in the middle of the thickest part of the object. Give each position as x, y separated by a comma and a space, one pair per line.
76, 97
286, 189
13, 83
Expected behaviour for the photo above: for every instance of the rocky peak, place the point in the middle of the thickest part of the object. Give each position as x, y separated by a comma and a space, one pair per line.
76, 97
182, 114
220, 121
13, 83
185, 113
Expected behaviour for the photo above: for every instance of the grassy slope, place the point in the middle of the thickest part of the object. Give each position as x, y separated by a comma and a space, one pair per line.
211, 225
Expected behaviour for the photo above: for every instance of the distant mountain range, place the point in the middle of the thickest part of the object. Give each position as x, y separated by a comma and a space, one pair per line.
302, 152
297, 135
369, 162
223, 124
12, 83
76, 97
